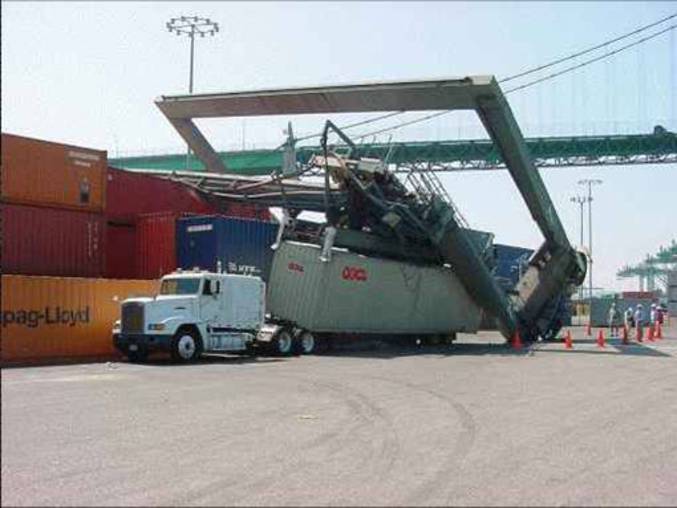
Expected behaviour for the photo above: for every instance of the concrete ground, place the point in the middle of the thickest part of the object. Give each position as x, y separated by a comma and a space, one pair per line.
475, 423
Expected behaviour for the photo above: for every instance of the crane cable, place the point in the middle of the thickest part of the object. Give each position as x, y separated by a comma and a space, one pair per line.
592, 60
589, 50
519, 75
509, 78
530, 83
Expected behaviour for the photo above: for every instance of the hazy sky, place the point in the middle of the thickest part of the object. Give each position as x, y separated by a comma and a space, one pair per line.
87, 74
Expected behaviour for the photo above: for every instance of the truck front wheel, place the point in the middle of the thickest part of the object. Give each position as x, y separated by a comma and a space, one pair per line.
186, 346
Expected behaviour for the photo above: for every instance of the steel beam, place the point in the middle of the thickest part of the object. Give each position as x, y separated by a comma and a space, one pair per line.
453, 93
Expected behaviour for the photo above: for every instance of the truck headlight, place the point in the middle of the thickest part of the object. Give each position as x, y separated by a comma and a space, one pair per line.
157, 326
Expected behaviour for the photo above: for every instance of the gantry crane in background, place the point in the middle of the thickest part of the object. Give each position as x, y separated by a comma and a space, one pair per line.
658, 147
653, 271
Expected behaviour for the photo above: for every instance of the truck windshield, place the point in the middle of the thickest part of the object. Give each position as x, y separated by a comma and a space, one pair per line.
180, 286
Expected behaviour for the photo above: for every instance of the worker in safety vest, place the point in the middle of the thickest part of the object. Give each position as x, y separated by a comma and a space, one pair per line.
639, 317
653, 315
629, 320
614, 320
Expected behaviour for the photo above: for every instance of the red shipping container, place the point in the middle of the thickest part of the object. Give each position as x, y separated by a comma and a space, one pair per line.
156, 244
120, 251
129, 194
52, 241
639, 295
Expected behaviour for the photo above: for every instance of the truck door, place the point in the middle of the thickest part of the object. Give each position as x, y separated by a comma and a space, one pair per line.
210, 301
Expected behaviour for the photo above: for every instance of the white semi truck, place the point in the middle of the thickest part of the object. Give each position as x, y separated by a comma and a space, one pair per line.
312, 298
196, 312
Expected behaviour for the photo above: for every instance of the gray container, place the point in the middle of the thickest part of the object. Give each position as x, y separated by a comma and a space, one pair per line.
601, 306
672, 294
357, 294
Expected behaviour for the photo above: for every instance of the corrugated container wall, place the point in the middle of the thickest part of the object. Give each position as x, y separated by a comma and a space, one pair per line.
52, 241
120, 251
638, 294
57, 318
156, 245
130, 194
358, 294
511, 261
42, 173
601, 306
240, 245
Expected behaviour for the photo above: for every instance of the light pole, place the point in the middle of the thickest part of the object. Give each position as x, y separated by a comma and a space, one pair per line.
590, 182
192, 26
580, 200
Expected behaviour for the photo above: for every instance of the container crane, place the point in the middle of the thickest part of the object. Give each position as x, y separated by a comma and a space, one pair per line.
369, 210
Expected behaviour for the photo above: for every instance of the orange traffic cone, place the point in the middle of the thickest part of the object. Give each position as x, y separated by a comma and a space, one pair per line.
588, 330
568, 343
517, 341
639, 333
625, 335
600, 338
659, 331
649, 333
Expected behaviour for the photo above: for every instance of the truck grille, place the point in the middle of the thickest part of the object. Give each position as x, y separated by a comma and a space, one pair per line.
132, 317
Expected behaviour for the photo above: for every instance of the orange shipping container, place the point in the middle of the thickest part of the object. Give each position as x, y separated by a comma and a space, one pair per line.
58, 318
36, 172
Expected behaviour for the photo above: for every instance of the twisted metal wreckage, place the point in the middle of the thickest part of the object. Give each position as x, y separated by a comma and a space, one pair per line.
409, 217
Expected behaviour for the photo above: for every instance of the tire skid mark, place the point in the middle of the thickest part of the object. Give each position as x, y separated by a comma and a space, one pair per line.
372, 416
364, 414
461, 448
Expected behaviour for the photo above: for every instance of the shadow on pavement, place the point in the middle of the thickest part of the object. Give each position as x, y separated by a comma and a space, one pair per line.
211, 359
386, 351
613, 347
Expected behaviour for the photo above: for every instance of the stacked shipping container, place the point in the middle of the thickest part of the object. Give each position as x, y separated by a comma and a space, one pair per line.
52, 241
48, 318
226, 244
53, 201
511, 262
42, 173
130, 194
141, 216
66, 214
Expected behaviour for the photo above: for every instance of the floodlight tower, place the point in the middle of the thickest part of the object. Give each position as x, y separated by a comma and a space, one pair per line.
580, 201
590, 182
192, 26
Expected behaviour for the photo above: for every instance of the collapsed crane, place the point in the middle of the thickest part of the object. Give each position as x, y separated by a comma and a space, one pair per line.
369, 210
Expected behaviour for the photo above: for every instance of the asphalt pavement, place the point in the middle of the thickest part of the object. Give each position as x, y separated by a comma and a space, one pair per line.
473, 423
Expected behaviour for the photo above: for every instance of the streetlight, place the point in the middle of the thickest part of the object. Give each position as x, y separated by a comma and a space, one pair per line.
580, 200
192, 26
590, 182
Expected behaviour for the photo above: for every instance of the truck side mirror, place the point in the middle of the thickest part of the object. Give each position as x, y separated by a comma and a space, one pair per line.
207, 288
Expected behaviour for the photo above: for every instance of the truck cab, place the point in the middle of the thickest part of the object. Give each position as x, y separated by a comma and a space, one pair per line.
194, 312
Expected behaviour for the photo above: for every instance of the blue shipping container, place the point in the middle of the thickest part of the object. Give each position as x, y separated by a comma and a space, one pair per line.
240, 245
511, 262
